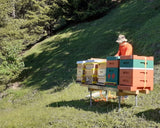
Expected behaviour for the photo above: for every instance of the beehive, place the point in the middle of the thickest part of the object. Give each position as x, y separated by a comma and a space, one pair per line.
102, 72
136, 73
80, 71
112, 72
91, 70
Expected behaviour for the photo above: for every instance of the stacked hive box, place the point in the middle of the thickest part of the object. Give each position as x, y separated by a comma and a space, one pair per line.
102, 72
112, 72
91, 72
80, 71
136, 73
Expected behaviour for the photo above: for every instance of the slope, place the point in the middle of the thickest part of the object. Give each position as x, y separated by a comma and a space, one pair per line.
53, 61
51, 98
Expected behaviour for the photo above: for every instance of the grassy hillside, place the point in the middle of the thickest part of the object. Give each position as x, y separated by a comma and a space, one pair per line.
53, 61
51, 98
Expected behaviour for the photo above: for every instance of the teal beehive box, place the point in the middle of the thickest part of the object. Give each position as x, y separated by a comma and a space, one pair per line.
112, 77
113, 58
135, 61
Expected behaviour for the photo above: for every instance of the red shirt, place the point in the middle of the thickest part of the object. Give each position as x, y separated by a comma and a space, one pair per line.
125, 49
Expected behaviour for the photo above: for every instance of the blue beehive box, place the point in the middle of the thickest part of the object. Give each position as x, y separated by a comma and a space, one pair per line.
112, 77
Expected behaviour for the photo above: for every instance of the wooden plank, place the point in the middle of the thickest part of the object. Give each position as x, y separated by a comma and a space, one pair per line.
130, 92
100, 83
85, 85
125, 93
119, 92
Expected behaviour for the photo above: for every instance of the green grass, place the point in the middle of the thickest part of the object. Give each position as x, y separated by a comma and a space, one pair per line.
51, 98
70, 108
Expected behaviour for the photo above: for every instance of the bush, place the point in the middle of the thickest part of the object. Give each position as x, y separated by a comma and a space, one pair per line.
12, 64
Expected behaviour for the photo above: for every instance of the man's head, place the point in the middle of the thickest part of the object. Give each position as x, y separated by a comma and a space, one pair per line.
121, 39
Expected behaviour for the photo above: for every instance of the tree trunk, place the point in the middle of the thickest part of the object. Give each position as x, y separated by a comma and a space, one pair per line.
13, 9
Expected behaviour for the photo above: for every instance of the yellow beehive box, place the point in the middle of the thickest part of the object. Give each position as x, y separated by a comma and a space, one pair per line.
80, 71
91, 70
90, 80
102, 72
102, 80
80, 79
102, 69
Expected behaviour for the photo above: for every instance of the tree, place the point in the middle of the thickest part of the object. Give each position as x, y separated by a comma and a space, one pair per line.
4, 11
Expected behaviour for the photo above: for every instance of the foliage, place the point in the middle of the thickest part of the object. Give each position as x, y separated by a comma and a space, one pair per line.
77, 10
48, 16
12, 64
5, 9
11, 45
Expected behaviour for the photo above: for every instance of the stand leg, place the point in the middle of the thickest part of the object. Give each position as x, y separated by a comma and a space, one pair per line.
119, 97
90, 98
106, 96
136, 98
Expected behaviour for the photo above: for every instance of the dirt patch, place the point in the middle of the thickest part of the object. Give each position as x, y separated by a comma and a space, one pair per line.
15, 85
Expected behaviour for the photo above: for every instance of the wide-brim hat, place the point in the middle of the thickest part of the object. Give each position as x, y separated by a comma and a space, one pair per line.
121, 38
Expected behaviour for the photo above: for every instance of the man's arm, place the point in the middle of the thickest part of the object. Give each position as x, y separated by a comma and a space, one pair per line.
118, 53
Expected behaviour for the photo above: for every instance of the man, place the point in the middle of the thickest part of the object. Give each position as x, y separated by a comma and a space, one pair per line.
124, 47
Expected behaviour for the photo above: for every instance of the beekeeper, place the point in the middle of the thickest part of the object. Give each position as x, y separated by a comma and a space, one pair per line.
125, 48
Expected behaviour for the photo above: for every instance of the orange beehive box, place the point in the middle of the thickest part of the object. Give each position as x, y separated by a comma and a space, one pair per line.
113, 63
141, 74
136, 73
133, 88
136, 82
136, 57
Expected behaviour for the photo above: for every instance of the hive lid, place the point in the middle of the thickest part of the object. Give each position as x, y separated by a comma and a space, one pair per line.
136, 57
113, 57
81, 62
91, 61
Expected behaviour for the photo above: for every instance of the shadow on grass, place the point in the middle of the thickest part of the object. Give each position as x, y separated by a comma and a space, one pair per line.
56, 64
152, 115
101, 107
